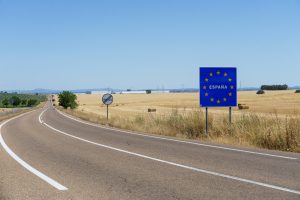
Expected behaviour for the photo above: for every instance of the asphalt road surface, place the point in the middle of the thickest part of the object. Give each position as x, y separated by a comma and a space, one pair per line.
46, 154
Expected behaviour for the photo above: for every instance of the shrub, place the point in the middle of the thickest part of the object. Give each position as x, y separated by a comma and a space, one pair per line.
24, 102
15, 101
5, 102
31, 102
260, 92
67, 99
297, 91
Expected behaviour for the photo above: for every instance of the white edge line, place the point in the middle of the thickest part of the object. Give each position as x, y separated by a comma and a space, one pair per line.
179, 141
24, 164
180, 165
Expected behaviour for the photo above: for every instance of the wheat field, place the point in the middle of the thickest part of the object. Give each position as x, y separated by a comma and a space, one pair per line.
279, 102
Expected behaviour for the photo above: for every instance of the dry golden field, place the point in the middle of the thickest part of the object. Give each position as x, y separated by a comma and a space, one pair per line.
272, 121
280, 102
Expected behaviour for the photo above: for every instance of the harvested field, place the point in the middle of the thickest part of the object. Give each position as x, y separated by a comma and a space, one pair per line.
272, 120
280, 102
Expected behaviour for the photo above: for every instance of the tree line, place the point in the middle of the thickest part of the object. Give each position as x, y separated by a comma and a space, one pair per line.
15, 101
274, 87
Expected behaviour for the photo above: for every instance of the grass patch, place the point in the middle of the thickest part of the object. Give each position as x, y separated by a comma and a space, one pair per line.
12, 112
269, 132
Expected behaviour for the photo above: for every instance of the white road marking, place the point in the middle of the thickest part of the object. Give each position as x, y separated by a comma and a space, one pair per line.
40, 116
179, 141
24, 164
179, 165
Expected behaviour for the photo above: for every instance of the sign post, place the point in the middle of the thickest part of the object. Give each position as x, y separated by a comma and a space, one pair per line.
107, 113
206, 120
218, 88
107, 99
230, 117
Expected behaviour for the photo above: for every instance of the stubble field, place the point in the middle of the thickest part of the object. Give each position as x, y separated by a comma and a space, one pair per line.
272, 121
280, 102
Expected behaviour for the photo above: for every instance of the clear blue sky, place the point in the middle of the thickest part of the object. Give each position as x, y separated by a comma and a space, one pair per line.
60, 44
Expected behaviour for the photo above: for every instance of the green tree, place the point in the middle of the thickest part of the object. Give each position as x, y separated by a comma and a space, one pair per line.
260, 92
15, 101
23, 102
32, 102
5, 102
67, 99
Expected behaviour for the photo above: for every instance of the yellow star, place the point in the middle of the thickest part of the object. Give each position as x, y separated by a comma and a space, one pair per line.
206, 94
224, 99
229, 79
218, 101
206, 80
211, 74
232, 87
230, 94
218, 72
204, 87
211, 99
225, 74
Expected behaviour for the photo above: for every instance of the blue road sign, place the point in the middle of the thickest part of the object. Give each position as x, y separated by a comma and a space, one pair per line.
107, 99
218, 87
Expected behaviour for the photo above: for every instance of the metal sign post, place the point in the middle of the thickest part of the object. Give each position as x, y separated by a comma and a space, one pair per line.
107, 99
230, 116
206, 120
218, 88
107, 113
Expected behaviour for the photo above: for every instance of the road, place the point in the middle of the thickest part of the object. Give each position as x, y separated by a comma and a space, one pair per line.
46, 154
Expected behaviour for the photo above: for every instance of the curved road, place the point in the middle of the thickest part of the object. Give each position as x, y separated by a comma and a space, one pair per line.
46, 154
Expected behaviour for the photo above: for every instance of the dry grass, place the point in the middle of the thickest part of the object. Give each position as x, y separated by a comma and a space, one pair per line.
268, 132
6, 113
272, 121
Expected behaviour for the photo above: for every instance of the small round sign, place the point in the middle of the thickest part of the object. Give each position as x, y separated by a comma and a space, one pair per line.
107, 99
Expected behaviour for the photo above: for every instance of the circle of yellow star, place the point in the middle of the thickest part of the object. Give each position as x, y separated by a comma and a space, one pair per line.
206, 80
229, 79
218, 101
230, 94
232, 87
206, 94
225, 74
204, 87
218, 72
224, 99
212, 99
211, 74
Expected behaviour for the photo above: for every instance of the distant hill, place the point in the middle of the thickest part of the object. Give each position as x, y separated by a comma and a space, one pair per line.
295, 87
175, 90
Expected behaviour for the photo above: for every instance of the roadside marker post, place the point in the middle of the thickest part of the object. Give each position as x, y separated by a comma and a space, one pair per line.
107, 99
218, 88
